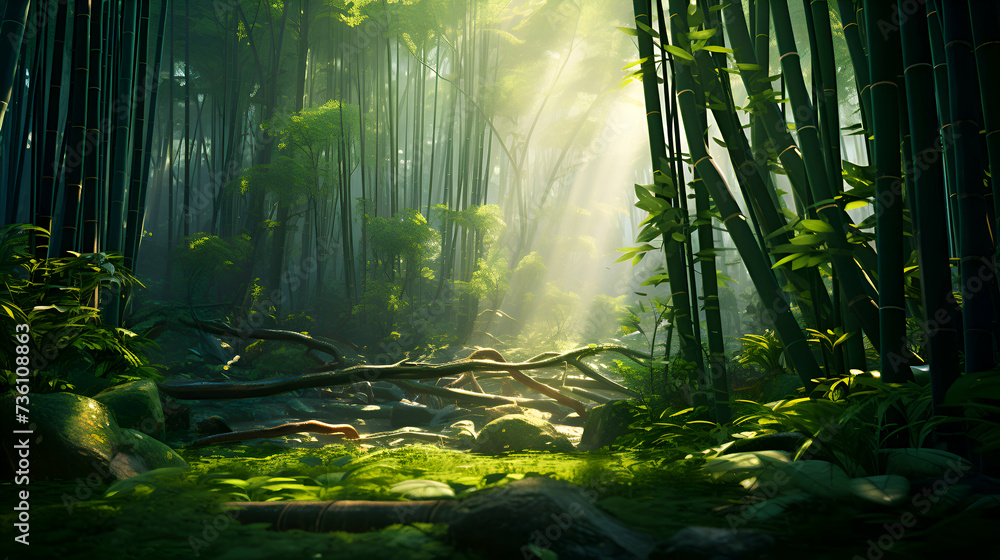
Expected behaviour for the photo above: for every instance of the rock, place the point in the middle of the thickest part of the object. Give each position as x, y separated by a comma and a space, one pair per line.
519, 432
463, 431
551, 514
78, 437
387, 392
605, 424
213, 425
362, 392
409, 414
495, 412
712, 543
138, 453
136, 406
446, 415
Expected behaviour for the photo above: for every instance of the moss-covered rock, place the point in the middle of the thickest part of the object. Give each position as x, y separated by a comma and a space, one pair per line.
519, 432
78, 437
136, 406
605, 424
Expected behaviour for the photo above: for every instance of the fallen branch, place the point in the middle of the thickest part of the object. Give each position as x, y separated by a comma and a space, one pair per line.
409, 371
481, 399
224, 329
491, 354
311, 426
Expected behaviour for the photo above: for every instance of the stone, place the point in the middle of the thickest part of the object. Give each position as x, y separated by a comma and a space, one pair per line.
550, 514
77, 437
713, 543
519, 432
410, 414
136, 406
605, 424
463, 431
387, 392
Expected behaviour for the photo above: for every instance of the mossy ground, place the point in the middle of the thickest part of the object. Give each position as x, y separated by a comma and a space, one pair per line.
181, 514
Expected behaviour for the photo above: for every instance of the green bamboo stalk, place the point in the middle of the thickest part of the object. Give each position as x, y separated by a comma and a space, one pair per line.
929, 208
857, 288
984, 17
76, 143
859, 60
123, 118
90, 237
943, 96
884, 61
654, 124
756, 261
11, 30
975, 247
142, 139
44, 201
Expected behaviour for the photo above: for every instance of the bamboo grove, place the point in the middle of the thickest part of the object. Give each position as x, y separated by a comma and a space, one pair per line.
289, 156
914, 279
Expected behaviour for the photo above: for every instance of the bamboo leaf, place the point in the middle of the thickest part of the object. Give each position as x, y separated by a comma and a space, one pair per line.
807, 239
703, 34
652, 32
817, 225
856, 204
678, 52
787, 259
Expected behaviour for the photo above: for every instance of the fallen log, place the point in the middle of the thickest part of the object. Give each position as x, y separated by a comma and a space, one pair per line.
309, 426
500, 523
491, 354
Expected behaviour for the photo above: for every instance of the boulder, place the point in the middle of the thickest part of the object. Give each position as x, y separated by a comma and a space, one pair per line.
136, 406
713, 543
605, 424
78, 437
550, 514
405, 413
519, 432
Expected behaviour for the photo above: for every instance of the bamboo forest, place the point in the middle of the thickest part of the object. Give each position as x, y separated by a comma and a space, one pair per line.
500, 279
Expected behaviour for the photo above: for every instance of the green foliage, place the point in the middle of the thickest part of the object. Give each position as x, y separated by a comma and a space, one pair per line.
491, 278
554, 311
676, 433
56, 298
406, 236
203, 252
765, 352
401, 249
213, 269
848, 419
380, 307
285, 178
605, 316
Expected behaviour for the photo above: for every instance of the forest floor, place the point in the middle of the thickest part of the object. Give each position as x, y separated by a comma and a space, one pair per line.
180, 514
